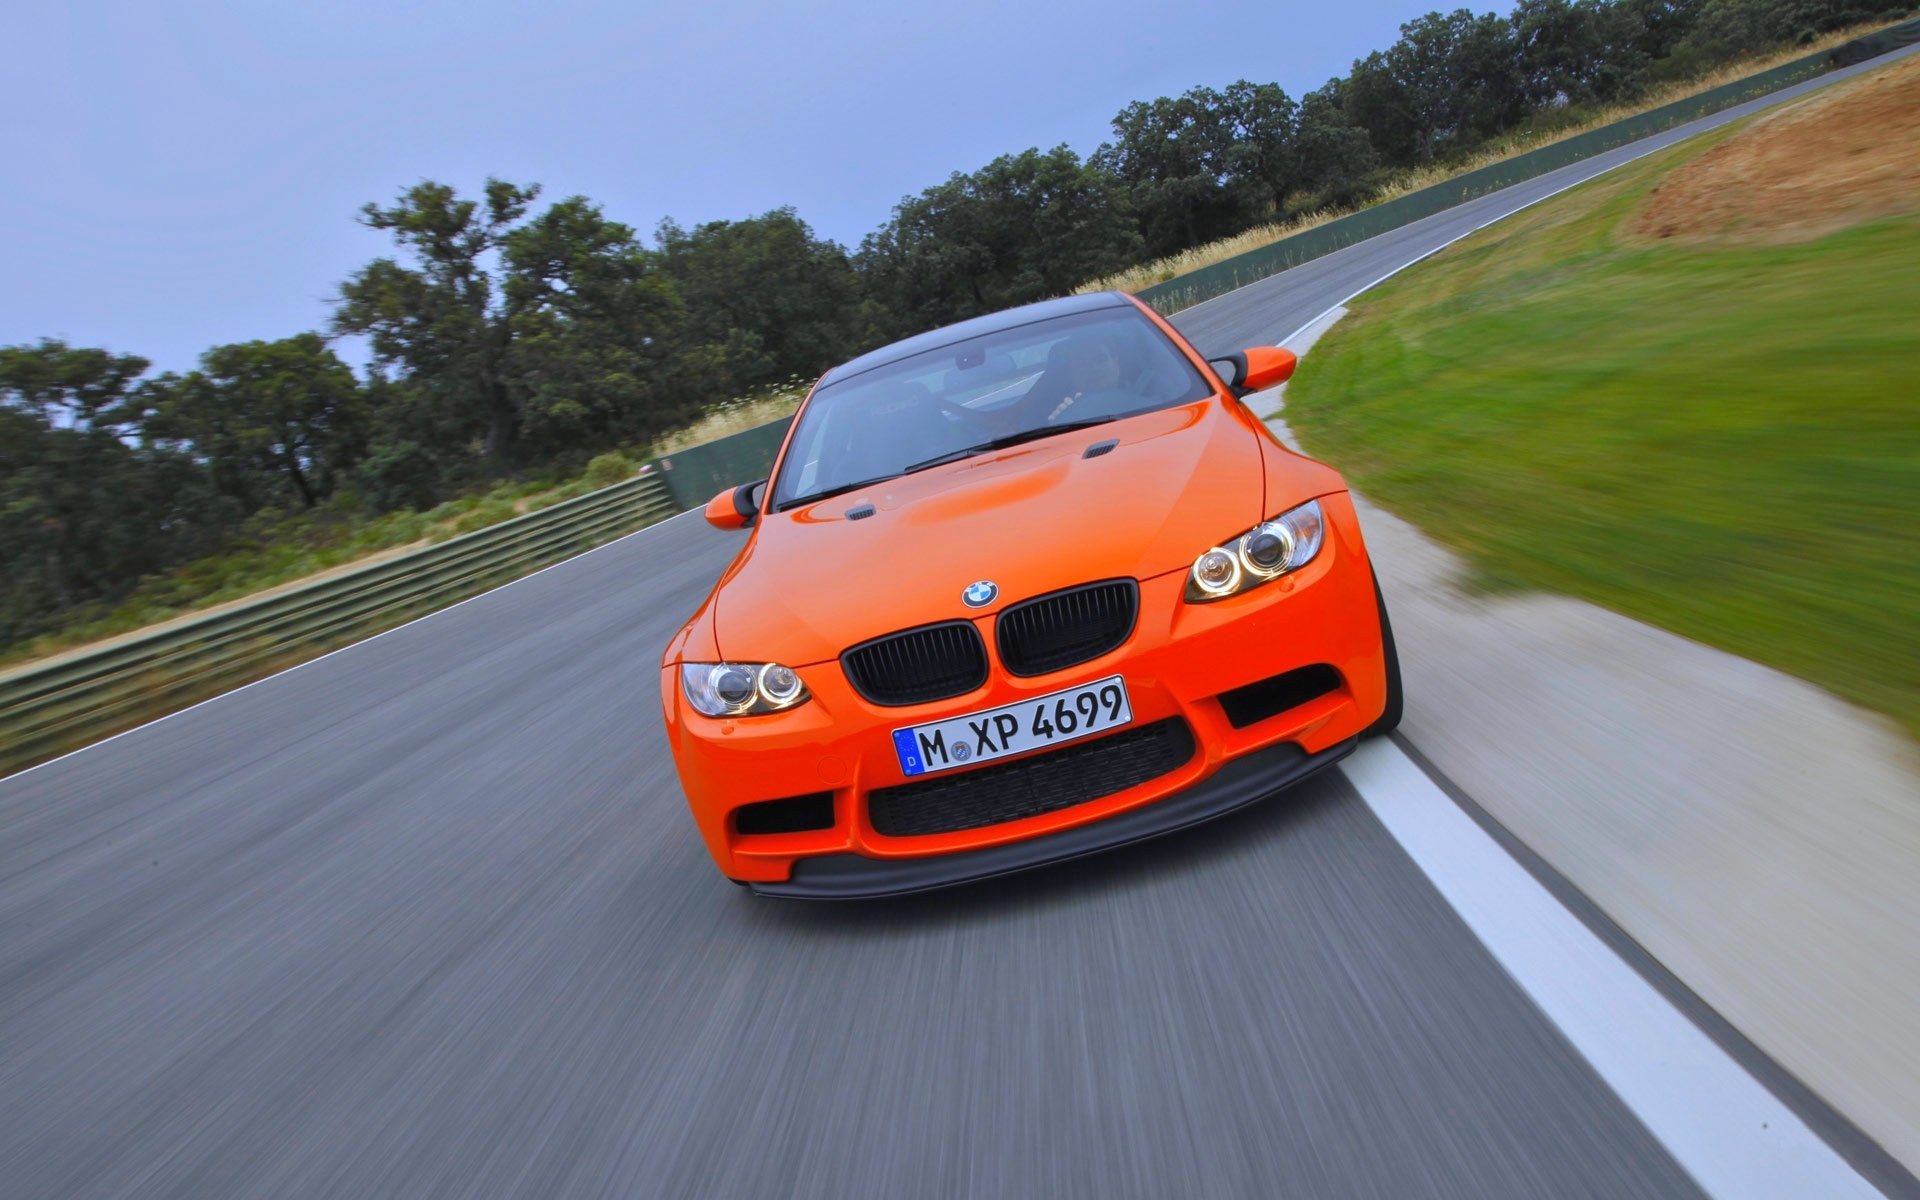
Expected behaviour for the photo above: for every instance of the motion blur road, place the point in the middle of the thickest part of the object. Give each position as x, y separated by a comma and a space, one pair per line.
427, 917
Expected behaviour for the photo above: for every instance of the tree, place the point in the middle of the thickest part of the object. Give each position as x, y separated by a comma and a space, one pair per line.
1576, 51
83, 514
1449, 82
1172, 155
1022, 228
1334, 156
444, 320
1262, 157
272, 420
596, 336
500, 329
778, 300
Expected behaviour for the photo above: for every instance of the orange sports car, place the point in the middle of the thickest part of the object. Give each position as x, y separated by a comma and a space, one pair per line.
1019, 589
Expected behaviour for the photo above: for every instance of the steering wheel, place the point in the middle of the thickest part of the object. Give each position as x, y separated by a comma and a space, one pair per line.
979, 422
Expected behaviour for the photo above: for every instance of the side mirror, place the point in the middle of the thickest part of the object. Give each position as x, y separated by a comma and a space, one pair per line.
1255, 369
736, 507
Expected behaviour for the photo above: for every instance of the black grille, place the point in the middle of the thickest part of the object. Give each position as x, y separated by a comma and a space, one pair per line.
795, 814
1272, 696
1051, 632
929, 663
1045, 783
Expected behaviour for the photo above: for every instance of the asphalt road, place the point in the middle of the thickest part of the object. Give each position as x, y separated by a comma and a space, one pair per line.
427, 918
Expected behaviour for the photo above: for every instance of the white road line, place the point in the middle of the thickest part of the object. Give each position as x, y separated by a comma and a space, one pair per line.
349, 646
1724, 1129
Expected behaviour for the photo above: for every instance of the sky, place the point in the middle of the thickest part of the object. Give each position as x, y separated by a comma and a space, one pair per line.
179, 175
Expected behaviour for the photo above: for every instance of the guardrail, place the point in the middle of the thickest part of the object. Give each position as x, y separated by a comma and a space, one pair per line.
66, 701
1217, 279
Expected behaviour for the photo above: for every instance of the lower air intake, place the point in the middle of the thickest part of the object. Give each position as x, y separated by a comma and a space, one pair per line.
795, 814
1276, 694
1045, 783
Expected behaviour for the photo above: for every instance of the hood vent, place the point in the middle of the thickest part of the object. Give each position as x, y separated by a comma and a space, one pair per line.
1099, 448
861, 513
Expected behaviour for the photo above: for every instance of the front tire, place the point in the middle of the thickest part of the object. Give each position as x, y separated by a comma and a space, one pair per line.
1396, 697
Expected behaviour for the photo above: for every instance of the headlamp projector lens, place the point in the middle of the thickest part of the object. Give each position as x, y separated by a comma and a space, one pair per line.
1266, 549
733, 685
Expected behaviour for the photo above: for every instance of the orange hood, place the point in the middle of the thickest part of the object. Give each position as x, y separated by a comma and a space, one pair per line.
1032, 518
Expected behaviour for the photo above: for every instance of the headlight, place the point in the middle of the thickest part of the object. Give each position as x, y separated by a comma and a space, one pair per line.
741, 689
1267, 551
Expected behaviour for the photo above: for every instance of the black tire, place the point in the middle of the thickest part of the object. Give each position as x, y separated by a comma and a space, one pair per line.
1396, 696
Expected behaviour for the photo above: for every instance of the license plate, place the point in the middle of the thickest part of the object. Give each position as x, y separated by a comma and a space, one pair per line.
1013, 728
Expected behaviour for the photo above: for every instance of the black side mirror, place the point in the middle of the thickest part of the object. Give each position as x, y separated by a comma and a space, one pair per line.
1232, 370
746, 499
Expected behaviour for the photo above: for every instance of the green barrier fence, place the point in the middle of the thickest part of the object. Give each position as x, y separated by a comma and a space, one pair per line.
1222, 277
71, 699
696, 475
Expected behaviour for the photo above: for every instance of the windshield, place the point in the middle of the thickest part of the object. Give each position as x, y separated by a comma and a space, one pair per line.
980, 394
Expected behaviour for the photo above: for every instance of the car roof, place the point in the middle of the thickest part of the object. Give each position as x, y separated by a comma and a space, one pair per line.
947, 335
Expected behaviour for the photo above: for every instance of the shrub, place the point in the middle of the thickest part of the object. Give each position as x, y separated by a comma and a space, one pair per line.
487, 512
608, 469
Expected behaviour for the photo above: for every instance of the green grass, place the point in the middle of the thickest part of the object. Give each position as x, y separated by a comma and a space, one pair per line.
1722, 440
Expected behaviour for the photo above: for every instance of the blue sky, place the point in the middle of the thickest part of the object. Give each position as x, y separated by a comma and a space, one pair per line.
178, 175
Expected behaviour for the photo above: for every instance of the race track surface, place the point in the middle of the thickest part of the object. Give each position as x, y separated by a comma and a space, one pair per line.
427, 918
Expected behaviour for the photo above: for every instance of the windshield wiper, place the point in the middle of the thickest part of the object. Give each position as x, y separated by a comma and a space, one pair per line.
1001, 443
835, 490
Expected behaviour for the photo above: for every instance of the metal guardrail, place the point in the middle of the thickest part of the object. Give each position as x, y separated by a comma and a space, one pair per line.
1217, 279
68, 700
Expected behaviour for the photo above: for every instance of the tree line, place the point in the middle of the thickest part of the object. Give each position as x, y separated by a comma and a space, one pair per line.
509, 338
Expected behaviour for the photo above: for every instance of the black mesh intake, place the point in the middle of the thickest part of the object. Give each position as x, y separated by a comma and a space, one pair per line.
795, 814
918, 665
1276, 694
1044, 783
1057, 630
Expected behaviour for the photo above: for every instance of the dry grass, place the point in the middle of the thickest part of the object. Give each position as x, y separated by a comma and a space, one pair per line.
734, 416
1412, 179
1848, 154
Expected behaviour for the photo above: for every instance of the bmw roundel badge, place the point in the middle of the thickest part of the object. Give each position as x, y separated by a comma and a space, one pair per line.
981, 594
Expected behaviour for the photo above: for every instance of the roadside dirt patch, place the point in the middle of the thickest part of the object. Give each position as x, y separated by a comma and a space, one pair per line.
1846, 155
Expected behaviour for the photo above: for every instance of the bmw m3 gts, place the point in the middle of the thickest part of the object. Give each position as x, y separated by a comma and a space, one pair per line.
1020, 589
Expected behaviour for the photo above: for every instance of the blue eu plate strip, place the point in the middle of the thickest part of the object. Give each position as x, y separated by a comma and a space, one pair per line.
909, 753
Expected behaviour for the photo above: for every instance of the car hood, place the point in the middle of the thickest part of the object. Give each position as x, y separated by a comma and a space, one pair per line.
1031, 519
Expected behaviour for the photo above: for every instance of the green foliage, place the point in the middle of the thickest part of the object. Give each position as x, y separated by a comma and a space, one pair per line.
83, 513
517, 337
609, 469
1560, 402
491, 511
1024, 227
273, 421
772, 298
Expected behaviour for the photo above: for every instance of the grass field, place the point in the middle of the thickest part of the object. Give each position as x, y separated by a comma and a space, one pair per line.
1713, 427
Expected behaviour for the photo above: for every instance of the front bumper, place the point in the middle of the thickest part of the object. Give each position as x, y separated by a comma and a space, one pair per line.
1245, 780
1178, 662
